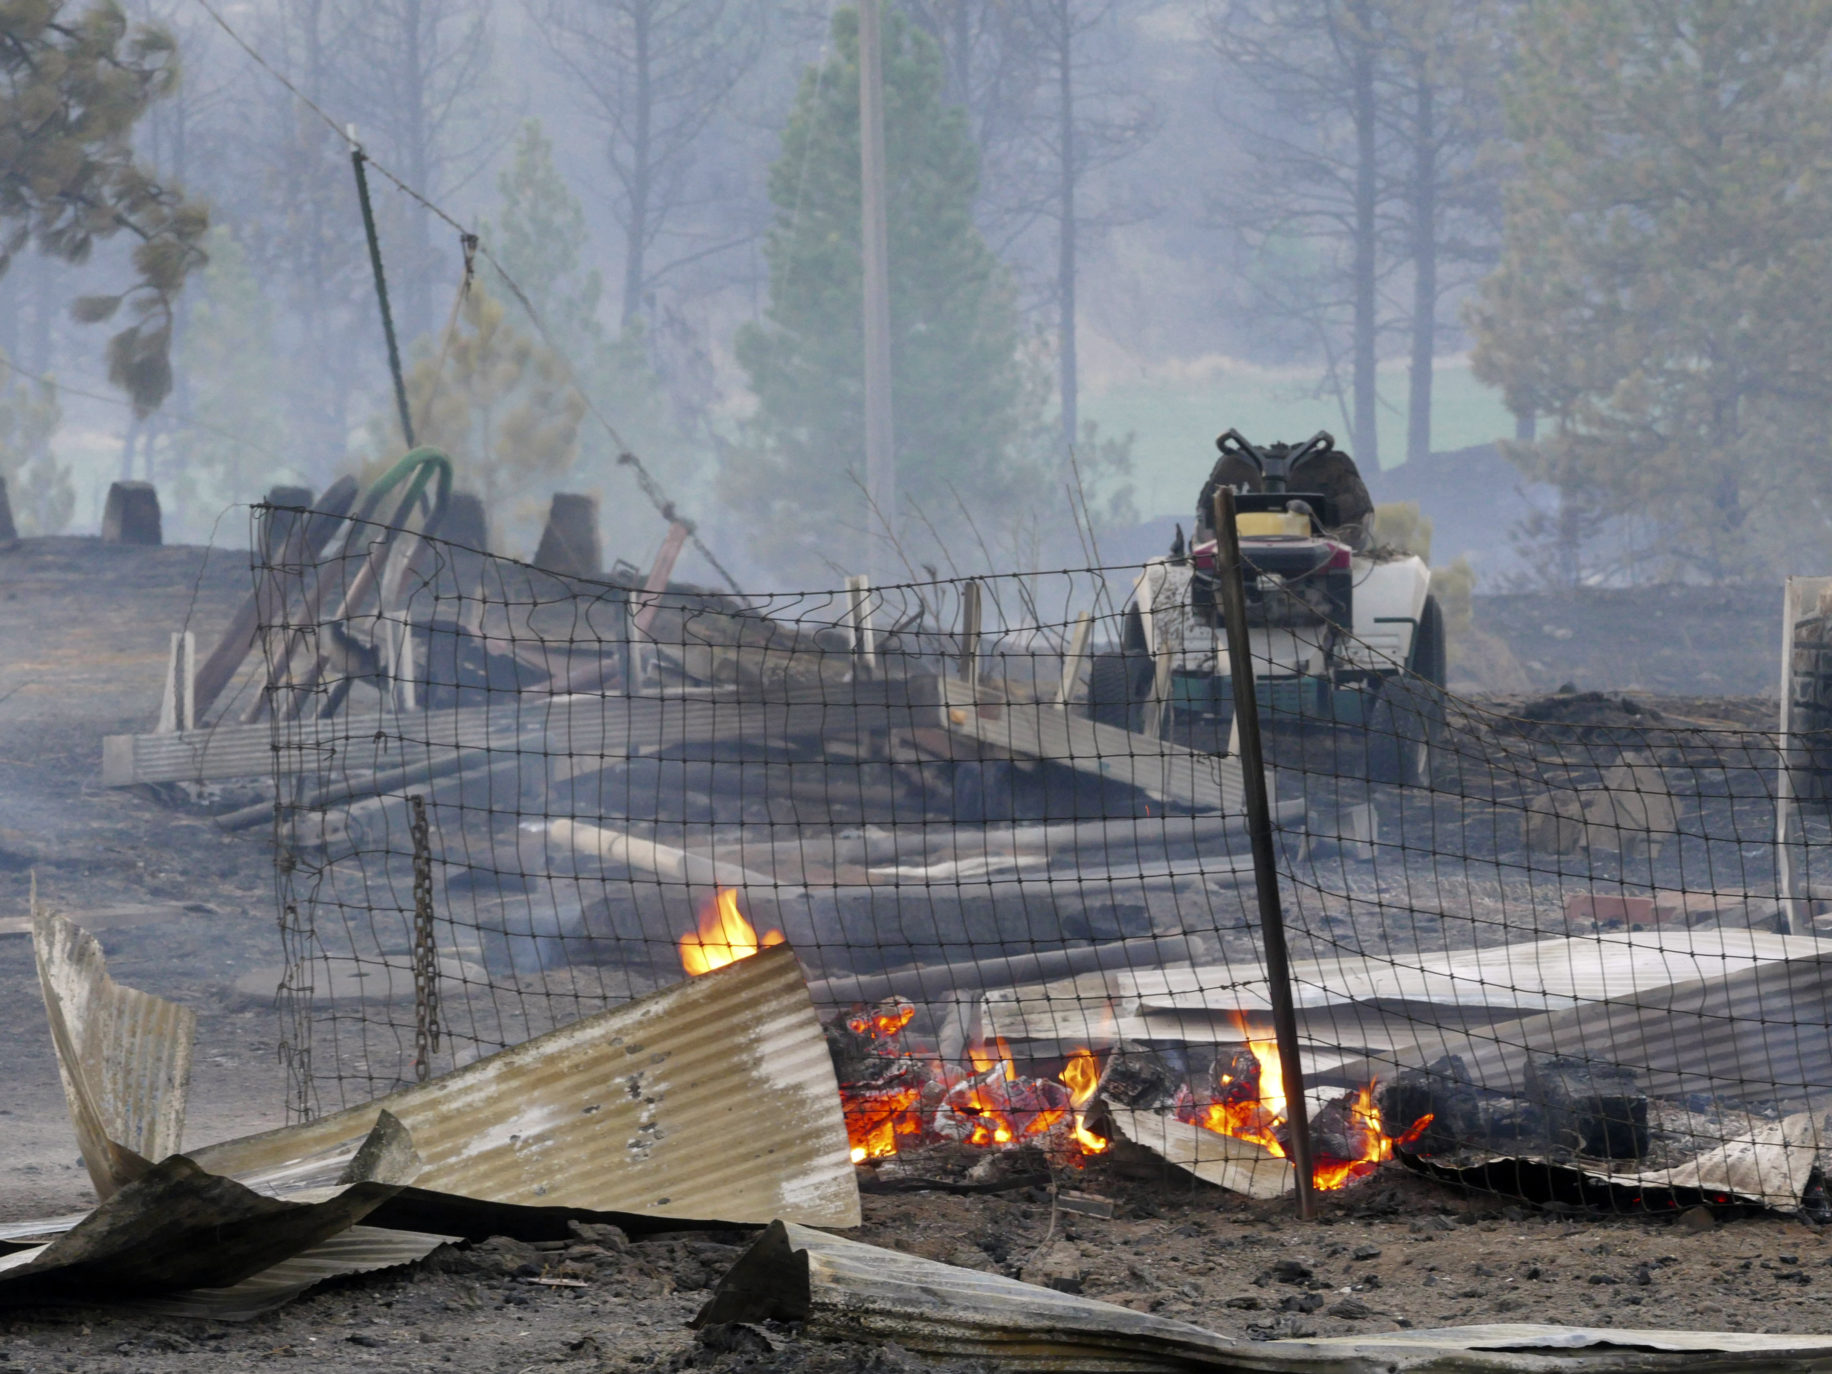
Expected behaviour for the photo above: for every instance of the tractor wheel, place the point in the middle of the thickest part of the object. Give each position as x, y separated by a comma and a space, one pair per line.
1428, 647
1403, 727
1111, 700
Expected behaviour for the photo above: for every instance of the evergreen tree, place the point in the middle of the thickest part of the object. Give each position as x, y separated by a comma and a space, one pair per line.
234, 385
73, 86
542, 241
1666, 274
38, 486
503, 405
959, 392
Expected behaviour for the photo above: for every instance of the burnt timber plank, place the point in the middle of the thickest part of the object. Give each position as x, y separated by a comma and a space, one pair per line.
609, 727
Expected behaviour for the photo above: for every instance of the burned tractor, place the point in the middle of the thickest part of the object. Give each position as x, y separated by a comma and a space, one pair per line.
1345, 636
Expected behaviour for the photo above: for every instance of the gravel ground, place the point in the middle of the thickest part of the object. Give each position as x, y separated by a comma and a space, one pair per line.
1391, 1252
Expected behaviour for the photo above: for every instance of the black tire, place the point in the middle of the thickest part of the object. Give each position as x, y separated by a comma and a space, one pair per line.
1111, 700
1429, 660
1403, 730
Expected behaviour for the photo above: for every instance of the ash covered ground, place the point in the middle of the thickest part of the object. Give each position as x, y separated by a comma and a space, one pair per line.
85, 628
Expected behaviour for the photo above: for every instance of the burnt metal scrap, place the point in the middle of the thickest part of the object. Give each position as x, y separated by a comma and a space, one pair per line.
843, 1290
714, 1100
178, 1226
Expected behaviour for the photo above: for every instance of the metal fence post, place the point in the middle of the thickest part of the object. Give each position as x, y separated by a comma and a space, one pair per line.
1230, 585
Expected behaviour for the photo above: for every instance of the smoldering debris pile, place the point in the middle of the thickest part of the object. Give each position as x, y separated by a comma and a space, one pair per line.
505, 797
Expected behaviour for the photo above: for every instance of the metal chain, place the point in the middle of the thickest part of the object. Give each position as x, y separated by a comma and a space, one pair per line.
425, 951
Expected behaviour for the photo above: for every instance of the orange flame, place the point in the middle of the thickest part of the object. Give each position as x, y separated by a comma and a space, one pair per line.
723, 936
1336, 1173
1256, 1119
982, 1059
1082, 1075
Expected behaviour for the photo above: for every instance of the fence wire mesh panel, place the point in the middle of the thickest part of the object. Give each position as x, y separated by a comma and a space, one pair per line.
1569, 954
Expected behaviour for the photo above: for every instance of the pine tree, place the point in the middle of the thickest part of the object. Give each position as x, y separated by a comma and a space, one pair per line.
502, 404
73, 86
961, 401
1666, 274
235, 386
39, 487
542, 241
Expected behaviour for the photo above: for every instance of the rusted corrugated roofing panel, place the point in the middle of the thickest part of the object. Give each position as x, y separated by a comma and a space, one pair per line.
714, 1099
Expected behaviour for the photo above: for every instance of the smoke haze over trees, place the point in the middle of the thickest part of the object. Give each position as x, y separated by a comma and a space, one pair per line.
1103, 216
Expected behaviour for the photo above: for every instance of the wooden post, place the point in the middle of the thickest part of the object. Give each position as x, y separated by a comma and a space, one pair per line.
1233, 593
970, 633
1075, 658
178, 701
398, 638
657, 581
858, 623
874, 237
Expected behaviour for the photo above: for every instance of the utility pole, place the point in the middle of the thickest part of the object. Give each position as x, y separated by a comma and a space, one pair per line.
880, 455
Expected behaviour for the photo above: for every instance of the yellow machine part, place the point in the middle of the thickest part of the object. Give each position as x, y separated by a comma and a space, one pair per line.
1259, 524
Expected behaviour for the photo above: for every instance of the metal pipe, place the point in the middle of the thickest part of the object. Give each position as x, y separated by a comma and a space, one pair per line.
381, 291
1231, 587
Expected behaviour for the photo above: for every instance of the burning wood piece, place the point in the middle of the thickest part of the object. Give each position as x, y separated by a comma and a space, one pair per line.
1590, 1108
881, 1085
1140, 1079
1242, 1097
896, 1096
997, 1106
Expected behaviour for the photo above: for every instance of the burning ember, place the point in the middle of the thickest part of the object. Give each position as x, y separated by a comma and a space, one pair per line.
895, 1097
723, 936
1246, 1100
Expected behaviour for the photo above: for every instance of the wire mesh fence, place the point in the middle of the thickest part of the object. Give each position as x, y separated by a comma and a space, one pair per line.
1001, 822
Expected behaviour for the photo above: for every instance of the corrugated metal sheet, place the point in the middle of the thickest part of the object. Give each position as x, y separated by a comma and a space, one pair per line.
178, 1226
1706, 1010
124, 1055
843, 1290
1763, 1033
357, 1251
714, 1099
1237, 1165
1544, 975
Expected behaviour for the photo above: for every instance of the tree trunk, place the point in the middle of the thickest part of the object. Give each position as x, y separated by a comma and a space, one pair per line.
1424, 265
636, 243
1066, 224
960, 60
1361, 39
